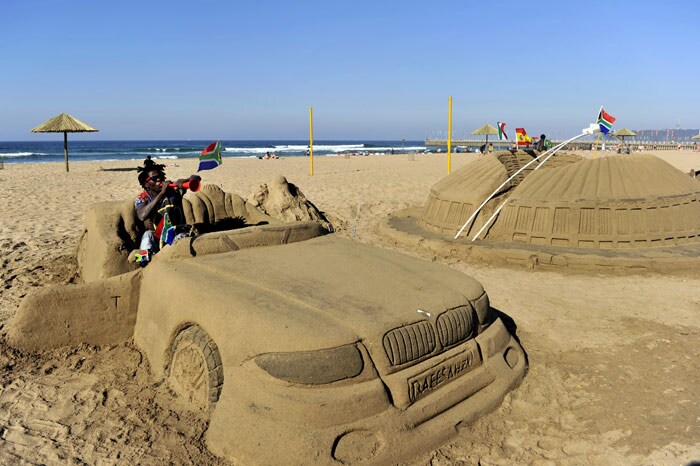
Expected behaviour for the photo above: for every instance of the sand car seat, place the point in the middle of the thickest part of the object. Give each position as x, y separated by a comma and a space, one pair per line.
112, 230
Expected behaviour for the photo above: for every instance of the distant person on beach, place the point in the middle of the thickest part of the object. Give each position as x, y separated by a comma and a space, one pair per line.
541, 143
148, 162
157, 200
482, 149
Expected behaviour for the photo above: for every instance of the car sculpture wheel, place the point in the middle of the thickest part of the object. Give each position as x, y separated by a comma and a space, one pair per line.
194, 368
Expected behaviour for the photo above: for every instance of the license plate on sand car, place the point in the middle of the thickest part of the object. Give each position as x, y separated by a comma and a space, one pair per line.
430, 380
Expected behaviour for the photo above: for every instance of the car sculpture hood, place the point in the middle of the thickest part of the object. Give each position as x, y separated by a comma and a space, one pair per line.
373, 288
293, 291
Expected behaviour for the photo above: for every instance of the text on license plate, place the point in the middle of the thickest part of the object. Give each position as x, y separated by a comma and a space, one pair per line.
440, 374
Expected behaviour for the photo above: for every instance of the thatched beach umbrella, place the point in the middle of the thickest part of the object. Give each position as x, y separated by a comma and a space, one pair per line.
622, 133
697, 136
65, 124
486, 129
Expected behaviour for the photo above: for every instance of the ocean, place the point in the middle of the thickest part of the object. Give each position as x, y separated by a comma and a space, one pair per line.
52, 151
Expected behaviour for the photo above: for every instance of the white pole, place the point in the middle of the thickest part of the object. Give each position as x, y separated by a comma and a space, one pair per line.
476, 212
488, 222
595, 148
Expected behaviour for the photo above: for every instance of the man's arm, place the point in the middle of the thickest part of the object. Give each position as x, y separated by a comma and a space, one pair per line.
144, 211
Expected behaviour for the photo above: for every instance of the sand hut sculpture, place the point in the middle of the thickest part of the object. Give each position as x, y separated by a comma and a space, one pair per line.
601, 203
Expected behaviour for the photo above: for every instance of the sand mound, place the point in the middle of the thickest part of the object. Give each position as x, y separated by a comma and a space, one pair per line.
609, 202
284, 201
454, 198
620, 212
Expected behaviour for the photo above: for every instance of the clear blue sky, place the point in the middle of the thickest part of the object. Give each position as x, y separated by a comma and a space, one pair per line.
370, 69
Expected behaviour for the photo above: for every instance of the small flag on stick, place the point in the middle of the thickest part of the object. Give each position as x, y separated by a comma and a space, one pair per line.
210, 157
605, 121
501, 131
167, 235
141, 256
522, 137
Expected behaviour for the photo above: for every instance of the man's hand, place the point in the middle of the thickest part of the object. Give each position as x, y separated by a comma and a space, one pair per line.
164, 186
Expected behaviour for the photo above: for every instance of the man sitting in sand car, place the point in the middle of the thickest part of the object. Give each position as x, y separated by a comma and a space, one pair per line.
159, 207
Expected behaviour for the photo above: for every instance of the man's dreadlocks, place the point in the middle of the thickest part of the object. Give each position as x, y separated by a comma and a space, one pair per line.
149, 165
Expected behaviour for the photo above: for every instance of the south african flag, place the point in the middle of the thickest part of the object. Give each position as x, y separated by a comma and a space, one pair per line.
167, 235
605, 121
210, 157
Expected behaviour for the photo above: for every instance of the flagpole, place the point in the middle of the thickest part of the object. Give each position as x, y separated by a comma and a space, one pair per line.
449, 135
595, 149
311, 141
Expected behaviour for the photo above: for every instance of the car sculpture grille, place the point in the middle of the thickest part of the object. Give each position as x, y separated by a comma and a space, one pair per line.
408, 343
411, 342
455, 325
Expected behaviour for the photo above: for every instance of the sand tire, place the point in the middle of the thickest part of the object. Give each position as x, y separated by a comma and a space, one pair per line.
194, 370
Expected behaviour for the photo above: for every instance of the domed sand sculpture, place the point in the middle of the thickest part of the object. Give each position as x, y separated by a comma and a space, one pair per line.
299, 347
635, 212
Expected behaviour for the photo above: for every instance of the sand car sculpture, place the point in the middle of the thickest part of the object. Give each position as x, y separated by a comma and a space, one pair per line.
610, 212
301, 347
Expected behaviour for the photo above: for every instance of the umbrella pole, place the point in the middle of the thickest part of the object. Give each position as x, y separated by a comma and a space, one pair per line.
65, 147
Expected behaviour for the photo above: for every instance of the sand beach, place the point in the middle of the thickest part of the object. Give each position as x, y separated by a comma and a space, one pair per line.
613, 359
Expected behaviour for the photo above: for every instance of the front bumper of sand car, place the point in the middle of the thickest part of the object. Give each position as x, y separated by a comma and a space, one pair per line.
364, 416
